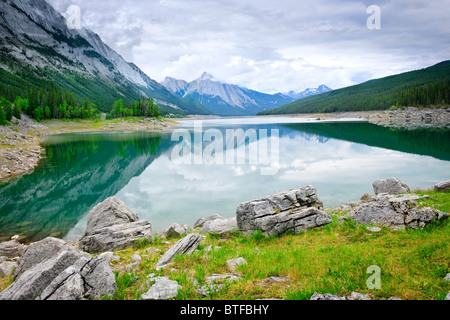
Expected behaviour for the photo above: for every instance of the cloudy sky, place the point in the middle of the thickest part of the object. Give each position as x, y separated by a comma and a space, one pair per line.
271, 46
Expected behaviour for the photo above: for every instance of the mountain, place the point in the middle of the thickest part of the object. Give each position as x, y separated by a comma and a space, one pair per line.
36, 46
225, 99
308, 92
425, 87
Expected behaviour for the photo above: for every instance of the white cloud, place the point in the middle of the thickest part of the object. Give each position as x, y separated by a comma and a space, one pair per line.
271, 46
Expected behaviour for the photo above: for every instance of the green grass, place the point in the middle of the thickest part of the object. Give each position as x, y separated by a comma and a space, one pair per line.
333, 260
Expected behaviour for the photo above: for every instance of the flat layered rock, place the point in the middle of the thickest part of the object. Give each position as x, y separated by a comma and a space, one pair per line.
113, 226
187, 245
295, 211
397, 215
116, 237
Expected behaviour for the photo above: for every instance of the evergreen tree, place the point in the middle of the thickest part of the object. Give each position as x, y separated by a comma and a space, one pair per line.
2, 117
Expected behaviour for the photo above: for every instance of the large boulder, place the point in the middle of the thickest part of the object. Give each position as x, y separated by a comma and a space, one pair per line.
219, 226
443, 186
390, 186
51, 269
184, 246
396, 213
108, 213
113, 226
39, 251
87, 278
295, 211
11, 249
34, 280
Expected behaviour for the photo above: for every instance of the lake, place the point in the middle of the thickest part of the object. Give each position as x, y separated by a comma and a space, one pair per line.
167, 178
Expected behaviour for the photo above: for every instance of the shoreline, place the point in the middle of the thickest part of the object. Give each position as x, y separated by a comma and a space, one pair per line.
307, 261
21, 151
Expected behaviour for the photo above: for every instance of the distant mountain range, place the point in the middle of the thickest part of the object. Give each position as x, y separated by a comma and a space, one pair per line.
38, 49
232, 100
296, 95
36, 46
425, 87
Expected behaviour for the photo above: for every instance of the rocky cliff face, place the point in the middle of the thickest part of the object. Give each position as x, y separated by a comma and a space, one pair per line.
36, 41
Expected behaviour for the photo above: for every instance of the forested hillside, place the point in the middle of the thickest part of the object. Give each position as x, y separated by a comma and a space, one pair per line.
426, 87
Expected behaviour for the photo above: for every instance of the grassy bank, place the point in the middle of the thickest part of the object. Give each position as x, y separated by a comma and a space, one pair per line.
333, 260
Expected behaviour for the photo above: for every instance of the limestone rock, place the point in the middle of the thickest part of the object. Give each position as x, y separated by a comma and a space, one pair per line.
163, 289
216, 282
7, 268
219, 226
442, 186
200, 222
328, 296
108, 213
233, 263
390, 186
175, 230
110, 256
396, 215
88, 278
34, 280
116, 237
112, 226
39, 251
296, 211
184, 246
11, 249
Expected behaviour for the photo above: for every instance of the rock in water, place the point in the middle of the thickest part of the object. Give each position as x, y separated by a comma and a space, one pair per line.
112, 226
296, 211
390, 186
184, 246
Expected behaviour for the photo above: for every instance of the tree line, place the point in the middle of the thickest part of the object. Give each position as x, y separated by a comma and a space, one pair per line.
437, 93
53, 103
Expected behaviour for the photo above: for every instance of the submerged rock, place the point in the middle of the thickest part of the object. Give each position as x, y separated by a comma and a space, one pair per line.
296, 211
